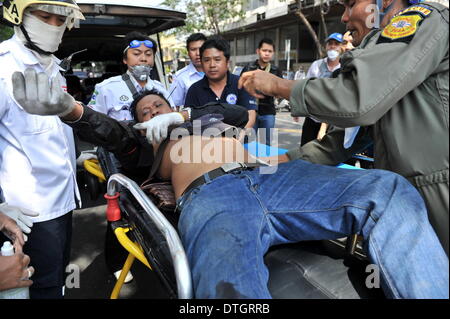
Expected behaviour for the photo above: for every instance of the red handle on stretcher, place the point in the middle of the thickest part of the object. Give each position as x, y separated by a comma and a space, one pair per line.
113, 213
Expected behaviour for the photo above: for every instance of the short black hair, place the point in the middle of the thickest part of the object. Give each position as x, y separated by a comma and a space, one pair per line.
219, 43
195, 37
266, 41
135, 35
140, 97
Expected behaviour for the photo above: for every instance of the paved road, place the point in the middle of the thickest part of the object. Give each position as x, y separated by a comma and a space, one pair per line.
88, 240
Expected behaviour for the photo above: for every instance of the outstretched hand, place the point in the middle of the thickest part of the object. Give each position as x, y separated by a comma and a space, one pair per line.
37, 94
260, 84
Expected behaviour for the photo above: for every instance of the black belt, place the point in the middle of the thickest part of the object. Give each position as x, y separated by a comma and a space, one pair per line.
220, 171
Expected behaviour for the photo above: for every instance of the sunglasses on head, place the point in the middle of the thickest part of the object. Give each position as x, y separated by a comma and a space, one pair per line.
136, 44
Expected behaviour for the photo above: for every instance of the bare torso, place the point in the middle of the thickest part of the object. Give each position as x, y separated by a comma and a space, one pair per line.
186, 159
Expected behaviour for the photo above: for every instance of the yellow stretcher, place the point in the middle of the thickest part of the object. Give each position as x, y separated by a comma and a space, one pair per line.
324, 258
134, 249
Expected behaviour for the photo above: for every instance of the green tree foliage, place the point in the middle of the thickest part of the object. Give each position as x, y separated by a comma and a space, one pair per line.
5, 32
207, 15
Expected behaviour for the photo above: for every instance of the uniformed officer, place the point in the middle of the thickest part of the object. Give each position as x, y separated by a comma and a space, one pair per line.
219, 85
395, 85
37, 161
114, 96
191, 73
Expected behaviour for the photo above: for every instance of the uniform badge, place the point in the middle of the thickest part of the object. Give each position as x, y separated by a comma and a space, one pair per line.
231, 99
401, 29
124, 98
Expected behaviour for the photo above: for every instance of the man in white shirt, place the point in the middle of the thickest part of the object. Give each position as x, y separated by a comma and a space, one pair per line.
114, 96
191, 73
323, 68
37, 157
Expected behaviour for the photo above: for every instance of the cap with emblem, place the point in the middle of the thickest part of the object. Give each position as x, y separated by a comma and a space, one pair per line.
335, 36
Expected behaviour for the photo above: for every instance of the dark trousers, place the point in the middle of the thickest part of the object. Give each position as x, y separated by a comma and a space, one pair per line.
48, 246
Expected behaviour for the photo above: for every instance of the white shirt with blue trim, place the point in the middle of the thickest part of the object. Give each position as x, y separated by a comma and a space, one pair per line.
183, 80
113, 97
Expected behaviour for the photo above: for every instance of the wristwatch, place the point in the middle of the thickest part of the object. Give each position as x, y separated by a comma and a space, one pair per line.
189, 111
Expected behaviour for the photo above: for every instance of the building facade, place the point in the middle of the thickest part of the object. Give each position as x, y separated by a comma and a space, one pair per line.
278, 20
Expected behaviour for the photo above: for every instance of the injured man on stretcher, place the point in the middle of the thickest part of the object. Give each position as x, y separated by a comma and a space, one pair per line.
232, 213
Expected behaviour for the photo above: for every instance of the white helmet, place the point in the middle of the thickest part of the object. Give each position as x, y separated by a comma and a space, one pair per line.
12, 11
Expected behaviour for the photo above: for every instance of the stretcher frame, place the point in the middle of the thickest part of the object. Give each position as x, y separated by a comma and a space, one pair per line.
184, 290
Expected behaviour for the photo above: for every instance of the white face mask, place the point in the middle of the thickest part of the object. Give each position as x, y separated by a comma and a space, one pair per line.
332, 54
141, 72
45, 36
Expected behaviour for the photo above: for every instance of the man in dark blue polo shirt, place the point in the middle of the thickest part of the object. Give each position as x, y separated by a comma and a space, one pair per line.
219, 84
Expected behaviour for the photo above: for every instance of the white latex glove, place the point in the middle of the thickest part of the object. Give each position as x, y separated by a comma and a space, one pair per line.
39, 95
19, 215
83, 157
157, 127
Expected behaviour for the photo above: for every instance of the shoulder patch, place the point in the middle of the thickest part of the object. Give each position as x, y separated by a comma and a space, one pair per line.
401, 29
423, 10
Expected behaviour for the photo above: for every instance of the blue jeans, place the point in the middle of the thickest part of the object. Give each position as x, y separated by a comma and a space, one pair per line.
266, 122
228, 224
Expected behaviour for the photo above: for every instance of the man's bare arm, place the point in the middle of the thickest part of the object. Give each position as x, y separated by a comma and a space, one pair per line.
259, 83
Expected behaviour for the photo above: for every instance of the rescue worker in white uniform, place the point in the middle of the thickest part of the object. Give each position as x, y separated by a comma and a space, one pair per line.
37, 157
114, 96
191, 73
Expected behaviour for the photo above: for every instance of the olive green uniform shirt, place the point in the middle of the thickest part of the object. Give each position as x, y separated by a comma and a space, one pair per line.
396, 88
